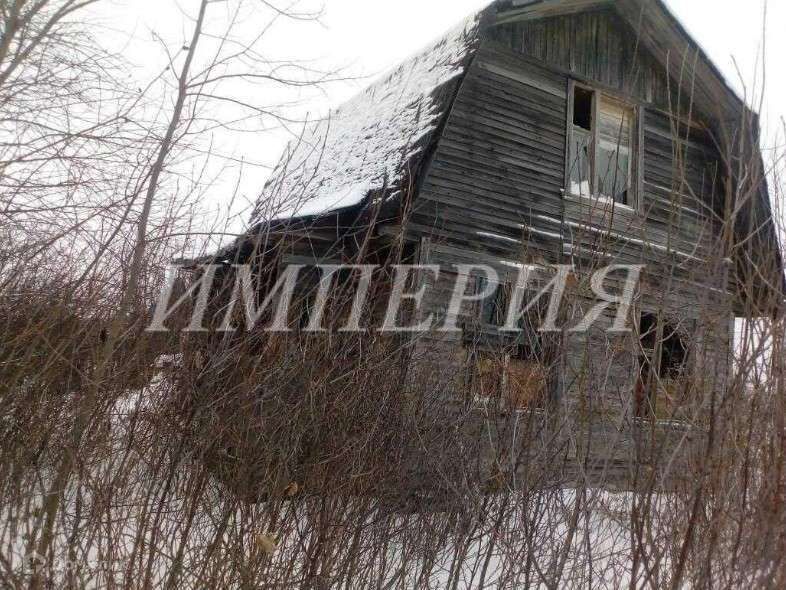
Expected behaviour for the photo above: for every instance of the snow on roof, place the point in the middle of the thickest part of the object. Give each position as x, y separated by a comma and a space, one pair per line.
367, 143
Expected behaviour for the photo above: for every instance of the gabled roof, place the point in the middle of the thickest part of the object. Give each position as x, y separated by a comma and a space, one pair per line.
365, 147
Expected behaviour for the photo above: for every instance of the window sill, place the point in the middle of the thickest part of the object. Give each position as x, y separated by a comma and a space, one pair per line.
600, 201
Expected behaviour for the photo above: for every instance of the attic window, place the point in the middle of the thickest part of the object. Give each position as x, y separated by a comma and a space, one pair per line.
602, 147
582, 108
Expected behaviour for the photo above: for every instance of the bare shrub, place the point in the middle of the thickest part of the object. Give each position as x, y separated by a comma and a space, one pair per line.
332, 460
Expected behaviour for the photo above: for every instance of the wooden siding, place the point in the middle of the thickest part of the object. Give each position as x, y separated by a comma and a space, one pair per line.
596, 45
494, 183
494, 192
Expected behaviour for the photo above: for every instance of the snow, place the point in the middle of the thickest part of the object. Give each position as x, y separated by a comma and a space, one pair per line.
497, 237
580, 189
351, 195
583, 190
586, 227
366, 144
545, 234
168, 361
522, 266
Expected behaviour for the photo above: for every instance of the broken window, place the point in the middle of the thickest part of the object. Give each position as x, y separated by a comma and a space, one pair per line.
529, 366
486, 374
514, 374
601, 147
512, 379
527, 383
581, 142
583, 103
661, 390
493, 309
613, 156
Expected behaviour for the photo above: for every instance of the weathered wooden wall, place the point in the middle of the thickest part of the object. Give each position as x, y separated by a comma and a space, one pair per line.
596, 45
494, 193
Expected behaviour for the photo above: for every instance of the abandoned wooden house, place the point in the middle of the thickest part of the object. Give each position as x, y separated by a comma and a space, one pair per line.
550, 132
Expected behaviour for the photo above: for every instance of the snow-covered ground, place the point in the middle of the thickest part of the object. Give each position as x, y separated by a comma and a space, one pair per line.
152, 522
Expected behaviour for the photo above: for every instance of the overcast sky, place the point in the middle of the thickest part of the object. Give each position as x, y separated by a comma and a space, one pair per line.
369, 36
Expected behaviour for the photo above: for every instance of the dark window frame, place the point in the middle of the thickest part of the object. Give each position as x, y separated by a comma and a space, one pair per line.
491, 345
492, 311
658, 361
633, 200
502, 389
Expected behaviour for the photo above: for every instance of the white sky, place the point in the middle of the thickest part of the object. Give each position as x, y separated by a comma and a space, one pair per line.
369, 36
